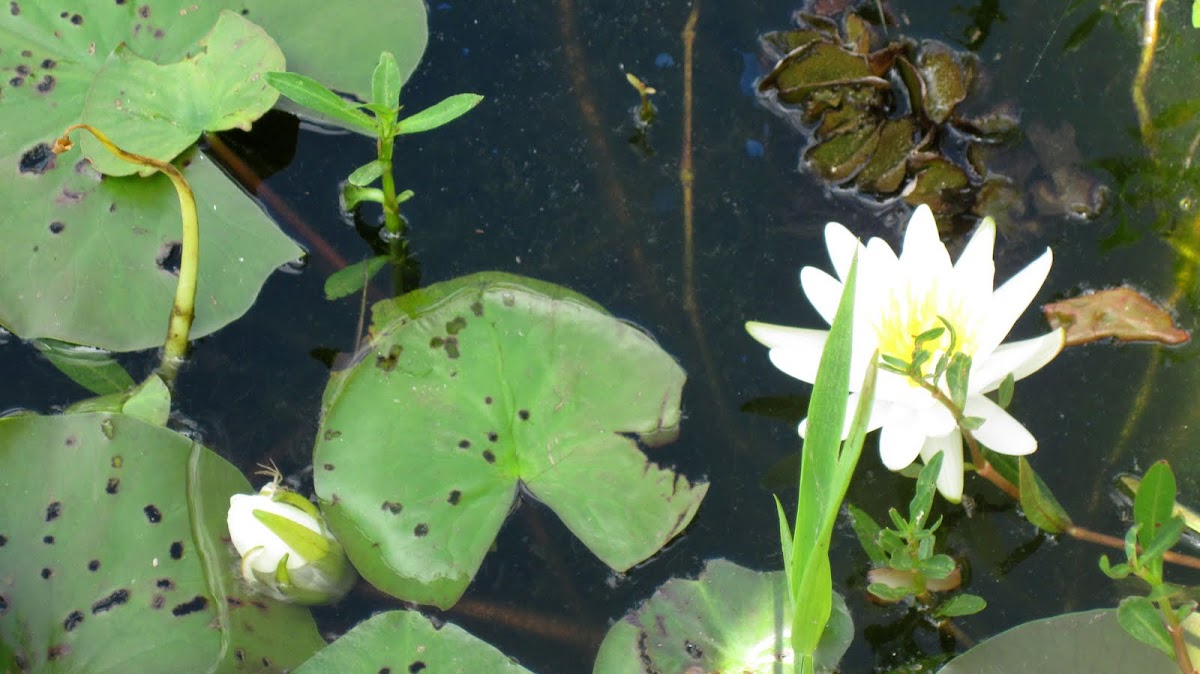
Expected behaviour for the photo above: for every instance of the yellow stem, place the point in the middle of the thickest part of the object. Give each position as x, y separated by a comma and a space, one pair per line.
184, 309
1149, 44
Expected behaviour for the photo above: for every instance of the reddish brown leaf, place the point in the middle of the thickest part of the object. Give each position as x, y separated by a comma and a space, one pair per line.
1121, 313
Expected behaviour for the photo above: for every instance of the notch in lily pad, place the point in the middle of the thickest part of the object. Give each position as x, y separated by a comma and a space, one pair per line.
479, 389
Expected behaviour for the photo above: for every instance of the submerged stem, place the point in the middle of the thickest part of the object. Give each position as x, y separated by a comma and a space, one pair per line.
183, 311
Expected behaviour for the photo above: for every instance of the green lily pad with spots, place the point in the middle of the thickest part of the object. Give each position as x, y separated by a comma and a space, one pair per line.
160, 110
116, 556
475, 390
82, 254
406, 641
730, 619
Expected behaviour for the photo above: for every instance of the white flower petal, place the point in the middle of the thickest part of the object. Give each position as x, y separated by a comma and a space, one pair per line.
975, 271
1000, 431
823, 291
950, 477
841, 245
1010, 301
900, 441
1021, 358
247, 532
923, 254
796, 351
936, 420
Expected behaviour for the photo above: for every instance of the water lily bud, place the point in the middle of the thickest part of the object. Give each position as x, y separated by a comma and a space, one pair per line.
287, 550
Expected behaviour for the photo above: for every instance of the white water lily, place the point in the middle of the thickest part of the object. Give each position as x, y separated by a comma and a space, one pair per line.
898, 298
288, 553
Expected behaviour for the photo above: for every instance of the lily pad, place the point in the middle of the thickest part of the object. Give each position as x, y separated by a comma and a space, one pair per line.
947, 75
730, 619
817, 66
839, 158
478, 389
81, 251
1090, 641
113, 546
1120, 313
160, 110
406, 641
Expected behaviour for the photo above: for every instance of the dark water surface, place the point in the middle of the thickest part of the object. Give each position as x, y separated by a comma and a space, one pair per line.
527, 183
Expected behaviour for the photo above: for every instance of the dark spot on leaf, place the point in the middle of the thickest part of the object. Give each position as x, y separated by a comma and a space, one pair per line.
144, 11
197, 603
153, 514
420, 530
169, 257
239, 654
53, 510
22, 70
177, 550
46, 85
57, 651
158, 601
158, 33
493, 436
165, 584
416, 666
112, 208
47, 572
25, 53
94, 565
118, 461
693, 650
388, 363
436, 343
452, 327
335, 499
17, 81
48, 64
523, 414
67, 196
508, 299
37, 159
455, 497
331, 434
70, 441
121, 2
464, 444
259, 604
452, 347
77, 20
235, 602
57, 227
14, 8
110, 602
327, 466
63, 15
3, 540
489, 456
113, 485
487, 400
48, 540
385, 670
72, 621
266, 662
477, 308
3, 605
392, 507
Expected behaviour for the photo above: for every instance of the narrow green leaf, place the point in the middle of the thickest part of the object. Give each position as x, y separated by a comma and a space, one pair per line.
386, 81
867, 530
929, 335
957, 374
1195, 13
1041, 508
1139, 617
350, 279
922, 500
971, 423
895, 363
1080, 33
1165, 538
1115, 572
889, 593
1155, 501
353, 196
366, 174
447, 110
937, 567
960, 605
1008, 466
94, 369
785, 542
1005, 394
316, 97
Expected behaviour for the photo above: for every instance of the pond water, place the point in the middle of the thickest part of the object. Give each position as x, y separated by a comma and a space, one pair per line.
541, 180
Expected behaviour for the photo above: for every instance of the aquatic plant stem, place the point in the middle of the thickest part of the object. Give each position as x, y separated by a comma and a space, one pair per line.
1145, 62
183, 310
391, 207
